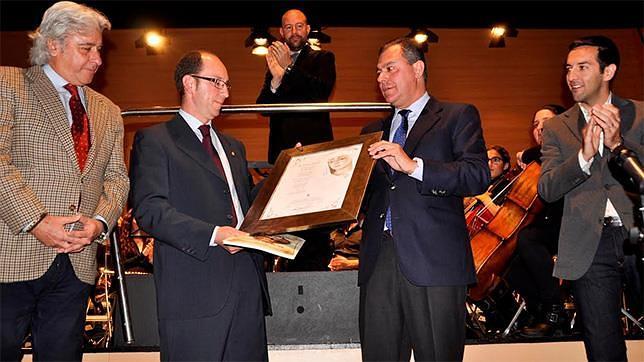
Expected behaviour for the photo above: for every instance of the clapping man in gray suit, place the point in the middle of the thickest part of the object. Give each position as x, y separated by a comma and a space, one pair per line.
577, 148
62, 184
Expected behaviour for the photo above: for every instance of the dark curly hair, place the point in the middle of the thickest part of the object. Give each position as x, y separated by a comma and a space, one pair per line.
505, 155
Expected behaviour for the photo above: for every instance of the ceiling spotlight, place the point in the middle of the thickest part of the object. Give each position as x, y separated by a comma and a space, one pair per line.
153, 41
259, 39
422, 37
317, 36
315, 44
499, 33
260, 47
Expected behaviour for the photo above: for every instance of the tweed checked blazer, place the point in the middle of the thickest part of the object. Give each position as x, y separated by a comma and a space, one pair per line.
39, 171
585, 196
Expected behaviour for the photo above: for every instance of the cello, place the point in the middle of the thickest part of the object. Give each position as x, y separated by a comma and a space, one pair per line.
493, 242
483, 208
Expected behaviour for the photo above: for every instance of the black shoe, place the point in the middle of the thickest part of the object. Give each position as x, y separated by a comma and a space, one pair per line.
541, 329
554, 319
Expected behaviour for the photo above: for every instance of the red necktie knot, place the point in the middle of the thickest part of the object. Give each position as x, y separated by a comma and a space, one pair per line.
72, 89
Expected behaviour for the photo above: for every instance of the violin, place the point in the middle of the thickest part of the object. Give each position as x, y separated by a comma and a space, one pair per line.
494, 243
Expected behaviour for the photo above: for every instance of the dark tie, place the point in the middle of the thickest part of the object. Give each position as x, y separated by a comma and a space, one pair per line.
399, 137
207, 145
80, 126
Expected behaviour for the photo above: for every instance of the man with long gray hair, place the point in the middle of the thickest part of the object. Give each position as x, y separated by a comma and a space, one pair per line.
63, 184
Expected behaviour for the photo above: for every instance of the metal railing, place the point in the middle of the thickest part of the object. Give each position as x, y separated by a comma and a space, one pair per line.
273, 108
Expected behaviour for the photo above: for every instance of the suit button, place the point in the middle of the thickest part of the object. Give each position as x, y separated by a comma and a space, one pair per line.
393, 187
229, 217
225, 192
381, 216
434, 192
72, 208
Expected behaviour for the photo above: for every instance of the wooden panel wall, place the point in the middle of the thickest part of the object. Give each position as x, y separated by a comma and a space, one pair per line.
506, 84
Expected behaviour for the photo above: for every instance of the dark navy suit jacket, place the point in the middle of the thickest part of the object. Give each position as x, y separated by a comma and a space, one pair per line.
428, 223
178, 196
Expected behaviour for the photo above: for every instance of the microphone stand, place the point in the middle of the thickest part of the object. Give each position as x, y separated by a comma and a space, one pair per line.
628, 161
122, 289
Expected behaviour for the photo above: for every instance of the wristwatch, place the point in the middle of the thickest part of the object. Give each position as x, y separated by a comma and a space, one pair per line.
102, 237
35, 222
618, 145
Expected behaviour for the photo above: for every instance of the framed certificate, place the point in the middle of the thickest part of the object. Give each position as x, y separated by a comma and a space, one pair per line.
313, 186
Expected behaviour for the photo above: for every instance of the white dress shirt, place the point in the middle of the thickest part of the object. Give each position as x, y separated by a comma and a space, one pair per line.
194, 124
414, 112
585, 165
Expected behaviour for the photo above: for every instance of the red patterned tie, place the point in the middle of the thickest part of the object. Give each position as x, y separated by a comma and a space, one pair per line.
80, 126
212, 152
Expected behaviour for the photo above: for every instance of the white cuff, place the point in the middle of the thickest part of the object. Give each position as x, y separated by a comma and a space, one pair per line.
418, 172
585, 165
212, 237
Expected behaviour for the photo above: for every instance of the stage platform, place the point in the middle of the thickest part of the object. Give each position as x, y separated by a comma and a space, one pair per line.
498, 352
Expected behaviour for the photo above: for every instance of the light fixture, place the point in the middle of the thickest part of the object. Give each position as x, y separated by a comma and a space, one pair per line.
498, 34
260, 48
317, 37
259, 39
153, 41
422, 37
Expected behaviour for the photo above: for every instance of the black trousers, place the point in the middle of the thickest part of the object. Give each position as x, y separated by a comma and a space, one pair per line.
53, 306
397, 317
597, 297
531, 271
236, 333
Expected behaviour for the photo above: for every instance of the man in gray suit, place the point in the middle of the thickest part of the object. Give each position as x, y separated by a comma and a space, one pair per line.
577, 148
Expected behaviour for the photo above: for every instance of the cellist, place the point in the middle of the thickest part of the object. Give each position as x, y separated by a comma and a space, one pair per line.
482, 208
531, 270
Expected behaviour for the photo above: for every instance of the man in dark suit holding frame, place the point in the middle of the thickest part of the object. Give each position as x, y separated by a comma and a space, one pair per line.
415, 258
190, 191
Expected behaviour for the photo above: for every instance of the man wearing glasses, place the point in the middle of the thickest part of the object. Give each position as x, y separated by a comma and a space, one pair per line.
190, 191
297, 74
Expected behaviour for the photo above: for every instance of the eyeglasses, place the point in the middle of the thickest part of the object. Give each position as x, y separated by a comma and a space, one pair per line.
218, 82
290, 27
495, 159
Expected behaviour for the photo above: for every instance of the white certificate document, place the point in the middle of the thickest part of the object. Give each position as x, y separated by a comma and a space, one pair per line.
313, 182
